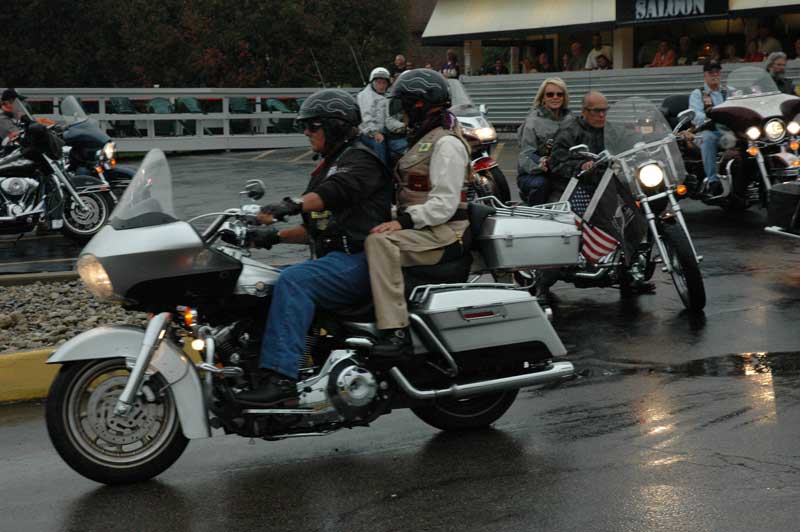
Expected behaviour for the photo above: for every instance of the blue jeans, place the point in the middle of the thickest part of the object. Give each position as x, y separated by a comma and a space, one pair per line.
334, 281
708, 150
396, 148
378, 147
533, 189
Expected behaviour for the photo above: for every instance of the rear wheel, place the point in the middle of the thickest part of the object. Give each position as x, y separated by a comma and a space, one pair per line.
104, 447
493, 183
82, 224
686, 275
466, 413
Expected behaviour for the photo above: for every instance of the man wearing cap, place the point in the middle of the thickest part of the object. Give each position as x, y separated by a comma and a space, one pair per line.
776, 66
700, 101
7, 122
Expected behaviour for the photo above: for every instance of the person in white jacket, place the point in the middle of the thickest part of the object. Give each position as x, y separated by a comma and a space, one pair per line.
376, 123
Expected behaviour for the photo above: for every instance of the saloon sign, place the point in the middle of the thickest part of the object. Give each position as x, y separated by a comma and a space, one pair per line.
636, 11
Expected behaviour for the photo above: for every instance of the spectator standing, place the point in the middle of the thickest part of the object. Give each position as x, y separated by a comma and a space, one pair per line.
766, 42
398, 67
753, 55
451, 69
665, 56
577, 60
598, 48
528, 67
544, 63
730, 54
686, 54
498, 68
603, 63
776, 66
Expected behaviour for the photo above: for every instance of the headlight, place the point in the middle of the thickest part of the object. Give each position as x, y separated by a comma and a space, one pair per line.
651, 175
110, 151
793, 128
753, 133
94, 276
774, 129
485, 134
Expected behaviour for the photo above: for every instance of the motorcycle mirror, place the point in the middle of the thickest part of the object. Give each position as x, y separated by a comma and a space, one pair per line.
687, 114
483, 109
579, 148
254, 189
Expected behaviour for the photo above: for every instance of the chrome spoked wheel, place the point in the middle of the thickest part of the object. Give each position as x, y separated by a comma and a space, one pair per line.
81, 223
686, 275
105, 447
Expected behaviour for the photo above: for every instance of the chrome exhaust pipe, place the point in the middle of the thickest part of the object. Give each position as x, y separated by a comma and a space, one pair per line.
556, 372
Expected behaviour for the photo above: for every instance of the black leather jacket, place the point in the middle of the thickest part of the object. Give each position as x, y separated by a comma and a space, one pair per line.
356, 189
564, 166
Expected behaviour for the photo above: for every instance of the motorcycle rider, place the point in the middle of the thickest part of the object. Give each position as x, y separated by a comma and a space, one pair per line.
350, 192
776, 66
535, 136
8, 124
700, 101
376, 121
431, 202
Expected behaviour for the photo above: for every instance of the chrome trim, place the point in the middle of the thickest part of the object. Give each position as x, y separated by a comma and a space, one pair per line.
422, 329
227, 371
775, 230
279, 411
557, 371
359, 342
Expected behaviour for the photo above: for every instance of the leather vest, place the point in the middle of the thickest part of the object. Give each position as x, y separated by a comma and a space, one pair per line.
413, 172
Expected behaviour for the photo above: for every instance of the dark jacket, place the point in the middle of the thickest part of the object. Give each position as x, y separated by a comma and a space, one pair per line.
785, 85
564, 166
539, 127
357, 191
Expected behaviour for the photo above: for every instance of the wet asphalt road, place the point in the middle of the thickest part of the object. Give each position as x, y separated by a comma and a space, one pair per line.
676, 422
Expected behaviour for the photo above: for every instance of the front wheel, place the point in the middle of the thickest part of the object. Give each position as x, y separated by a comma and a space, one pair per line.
82, 224
686, 275
493, 182
104, 447
466, 413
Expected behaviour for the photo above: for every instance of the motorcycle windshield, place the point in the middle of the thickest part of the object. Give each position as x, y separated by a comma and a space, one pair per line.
72, 111
460, 102
638, 133
148, 199
750, 81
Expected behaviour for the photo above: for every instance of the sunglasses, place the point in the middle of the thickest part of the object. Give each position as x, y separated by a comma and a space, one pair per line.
309, 125
554, 94
597, 110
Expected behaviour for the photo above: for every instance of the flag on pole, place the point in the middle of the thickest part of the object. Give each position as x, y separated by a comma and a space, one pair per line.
595, 243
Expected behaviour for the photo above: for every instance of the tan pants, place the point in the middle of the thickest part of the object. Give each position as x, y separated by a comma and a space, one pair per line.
388, 253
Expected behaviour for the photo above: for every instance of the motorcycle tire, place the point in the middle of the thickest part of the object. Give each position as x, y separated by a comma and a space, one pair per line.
466, 413
503, 193
686, 275
101, 446
83, 225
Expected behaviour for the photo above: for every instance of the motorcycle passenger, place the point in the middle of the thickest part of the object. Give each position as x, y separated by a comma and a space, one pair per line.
776, 66
349, 193
375, 119
8, 124
700, 101
535, 137
431, 202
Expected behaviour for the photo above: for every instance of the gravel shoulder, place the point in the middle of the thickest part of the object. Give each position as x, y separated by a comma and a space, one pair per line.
41, 315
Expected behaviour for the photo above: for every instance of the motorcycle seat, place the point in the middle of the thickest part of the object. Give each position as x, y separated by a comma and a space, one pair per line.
672, 105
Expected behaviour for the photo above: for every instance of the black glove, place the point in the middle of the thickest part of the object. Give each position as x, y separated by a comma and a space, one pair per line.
287, 207
229, 237
263, 237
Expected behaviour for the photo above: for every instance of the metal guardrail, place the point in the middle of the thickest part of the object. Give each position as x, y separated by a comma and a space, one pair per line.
259, 129
509, 97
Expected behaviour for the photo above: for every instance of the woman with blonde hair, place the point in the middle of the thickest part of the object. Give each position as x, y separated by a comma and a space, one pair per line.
535, 136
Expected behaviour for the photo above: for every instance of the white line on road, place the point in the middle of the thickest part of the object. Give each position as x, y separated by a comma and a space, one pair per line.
303, 156
262, 155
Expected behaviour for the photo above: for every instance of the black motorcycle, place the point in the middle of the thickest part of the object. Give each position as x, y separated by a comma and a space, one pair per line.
758, 142
89, 150
36, 190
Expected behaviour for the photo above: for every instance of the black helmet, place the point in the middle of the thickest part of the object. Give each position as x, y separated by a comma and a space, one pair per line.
331, 103
421, 84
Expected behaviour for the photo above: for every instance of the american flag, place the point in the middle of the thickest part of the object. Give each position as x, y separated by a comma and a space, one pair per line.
595, 243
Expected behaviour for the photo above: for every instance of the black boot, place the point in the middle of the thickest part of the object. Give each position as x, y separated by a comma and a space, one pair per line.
273, 388
393, 343
640, 286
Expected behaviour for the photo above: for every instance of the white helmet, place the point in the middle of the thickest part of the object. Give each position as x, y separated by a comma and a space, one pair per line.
379, 73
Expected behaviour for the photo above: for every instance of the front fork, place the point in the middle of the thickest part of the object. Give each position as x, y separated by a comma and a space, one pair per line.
764, 174
153, 335
652, 223
64, 182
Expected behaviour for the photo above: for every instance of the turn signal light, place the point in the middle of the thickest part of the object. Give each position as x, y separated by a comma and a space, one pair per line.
795, 163
188, 317
681, 190
752, 150
113, 162
794, 145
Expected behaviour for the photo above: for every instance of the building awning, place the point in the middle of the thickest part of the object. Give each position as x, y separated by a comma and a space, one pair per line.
453, 21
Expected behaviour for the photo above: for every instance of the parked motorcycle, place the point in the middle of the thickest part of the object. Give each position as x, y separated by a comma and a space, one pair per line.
640, 154
759, 141
90, 151
126, 401
36, 189
481, 136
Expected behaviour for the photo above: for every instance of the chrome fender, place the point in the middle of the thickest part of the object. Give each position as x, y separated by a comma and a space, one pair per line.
169, 360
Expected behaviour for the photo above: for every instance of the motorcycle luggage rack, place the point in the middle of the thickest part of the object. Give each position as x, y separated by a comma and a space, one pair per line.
545, 210
421, 293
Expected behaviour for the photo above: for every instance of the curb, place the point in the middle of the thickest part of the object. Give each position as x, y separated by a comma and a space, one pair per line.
25, 376
13, 279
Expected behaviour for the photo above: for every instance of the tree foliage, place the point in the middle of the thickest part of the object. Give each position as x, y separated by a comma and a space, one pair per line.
197, 43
